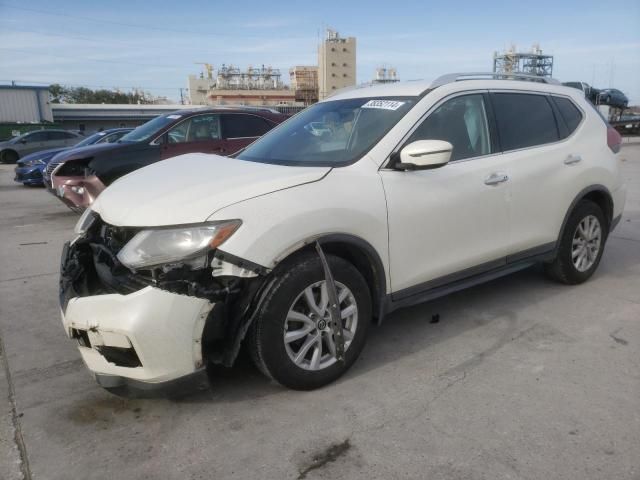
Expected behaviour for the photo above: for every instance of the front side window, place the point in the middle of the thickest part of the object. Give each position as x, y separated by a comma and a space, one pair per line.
461, 121
60, 135
38, 137
240, 125
200, 128
524, 120
331, 133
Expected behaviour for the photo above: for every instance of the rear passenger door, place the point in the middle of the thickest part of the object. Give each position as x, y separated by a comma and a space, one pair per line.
241, 129
540, 154
61, 139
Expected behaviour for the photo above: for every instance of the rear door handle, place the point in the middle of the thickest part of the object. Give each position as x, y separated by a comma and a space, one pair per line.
496, 178
573, 158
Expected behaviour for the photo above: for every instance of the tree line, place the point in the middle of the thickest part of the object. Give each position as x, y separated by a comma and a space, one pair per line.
63, 94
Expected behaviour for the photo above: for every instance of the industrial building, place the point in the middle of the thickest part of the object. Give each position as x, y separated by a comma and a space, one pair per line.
94, 117
336, 63
386, 75
532, 63
24, 104
230, 85
303, 80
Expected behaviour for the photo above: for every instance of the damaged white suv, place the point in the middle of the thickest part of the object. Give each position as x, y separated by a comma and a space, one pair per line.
377, 198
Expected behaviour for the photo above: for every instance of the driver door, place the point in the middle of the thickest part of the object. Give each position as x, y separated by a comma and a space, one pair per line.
199, 133
451, 222
35, 142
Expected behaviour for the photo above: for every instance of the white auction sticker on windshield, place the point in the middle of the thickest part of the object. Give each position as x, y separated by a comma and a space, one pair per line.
383, 104
174, 116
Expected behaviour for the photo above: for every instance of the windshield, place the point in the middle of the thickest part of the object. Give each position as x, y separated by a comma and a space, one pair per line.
330, 133
90, 140
149, 129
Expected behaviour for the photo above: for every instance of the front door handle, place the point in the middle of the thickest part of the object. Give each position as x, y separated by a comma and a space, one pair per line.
496, 178
573, 158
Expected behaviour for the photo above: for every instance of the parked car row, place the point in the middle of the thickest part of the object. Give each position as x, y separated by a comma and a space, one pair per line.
30, 168
374, 199
77, 175
14, 149
608, 96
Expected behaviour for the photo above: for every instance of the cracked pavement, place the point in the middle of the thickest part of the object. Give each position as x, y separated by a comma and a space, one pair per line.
521, 378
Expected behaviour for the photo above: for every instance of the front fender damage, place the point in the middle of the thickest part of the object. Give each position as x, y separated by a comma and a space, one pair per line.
233, 286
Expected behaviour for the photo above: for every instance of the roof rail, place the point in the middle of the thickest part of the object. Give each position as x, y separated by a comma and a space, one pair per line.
456, 77
255, 108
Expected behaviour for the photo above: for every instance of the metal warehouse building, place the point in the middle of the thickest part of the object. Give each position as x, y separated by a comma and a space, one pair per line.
92, 117
24, 104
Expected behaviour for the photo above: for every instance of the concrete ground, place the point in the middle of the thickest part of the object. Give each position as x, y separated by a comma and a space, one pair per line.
521, 378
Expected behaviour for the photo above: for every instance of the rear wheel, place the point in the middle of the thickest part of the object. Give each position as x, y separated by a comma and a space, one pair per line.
291, 340
581, 245
9, 156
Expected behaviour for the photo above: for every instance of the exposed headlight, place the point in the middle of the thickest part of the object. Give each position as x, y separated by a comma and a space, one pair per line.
34, 162
86, 220
167, 245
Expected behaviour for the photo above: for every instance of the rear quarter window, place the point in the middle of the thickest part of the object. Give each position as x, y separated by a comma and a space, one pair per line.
571, 114
239, 125
524, 120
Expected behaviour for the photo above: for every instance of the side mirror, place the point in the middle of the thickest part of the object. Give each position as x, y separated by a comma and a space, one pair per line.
23, 140
425, 155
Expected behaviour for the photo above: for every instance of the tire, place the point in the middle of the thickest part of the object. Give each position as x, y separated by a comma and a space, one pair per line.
9, 156
564, 268
286, 298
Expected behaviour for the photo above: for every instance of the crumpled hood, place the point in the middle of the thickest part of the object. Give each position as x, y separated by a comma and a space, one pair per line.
87, 151
190, 188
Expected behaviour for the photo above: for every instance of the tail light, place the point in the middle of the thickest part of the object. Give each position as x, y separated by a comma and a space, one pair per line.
614, 139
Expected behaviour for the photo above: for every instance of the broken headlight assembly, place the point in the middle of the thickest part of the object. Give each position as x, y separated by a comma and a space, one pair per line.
189, 244
84, 223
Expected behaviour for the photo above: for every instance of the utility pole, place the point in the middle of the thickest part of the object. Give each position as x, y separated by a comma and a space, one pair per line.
181, 98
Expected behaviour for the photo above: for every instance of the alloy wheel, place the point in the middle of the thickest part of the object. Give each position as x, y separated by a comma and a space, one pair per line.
308, 337
586, 243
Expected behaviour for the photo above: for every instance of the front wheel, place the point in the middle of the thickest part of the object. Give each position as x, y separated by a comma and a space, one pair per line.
291, 340
9, 156
581, 245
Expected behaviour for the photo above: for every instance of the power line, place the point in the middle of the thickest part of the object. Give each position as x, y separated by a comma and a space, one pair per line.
137, 25
84, 59
105, 41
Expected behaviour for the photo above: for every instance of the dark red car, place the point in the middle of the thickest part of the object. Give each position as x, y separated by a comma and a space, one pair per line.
77, 177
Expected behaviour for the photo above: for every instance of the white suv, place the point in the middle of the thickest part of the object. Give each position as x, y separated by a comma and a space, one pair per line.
377, 198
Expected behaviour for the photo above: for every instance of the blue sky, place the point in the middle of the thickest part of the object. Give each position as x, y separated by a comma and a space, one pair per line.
154, 45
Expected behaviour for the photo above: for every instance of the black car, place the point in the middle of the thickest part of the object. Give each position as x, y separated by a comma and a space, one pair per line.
614, 98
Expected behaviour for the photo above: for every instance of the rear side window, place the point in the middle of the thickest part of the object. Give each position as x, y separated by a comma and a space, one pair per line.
524, 120
239, 125
60, 135
571, 115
